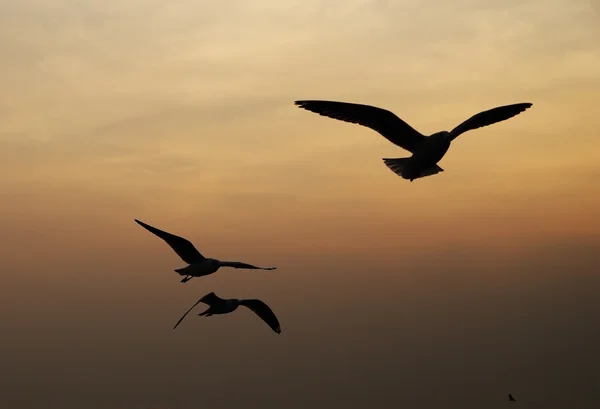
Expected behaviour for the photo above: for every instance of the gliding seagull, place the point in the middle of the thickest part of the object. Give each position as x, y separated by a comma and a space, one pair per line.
198, 265
217, 305
427, 150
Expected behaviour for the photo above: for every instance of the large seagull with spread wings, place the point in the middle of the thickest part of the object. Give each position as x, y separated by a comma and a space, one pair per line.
426, 151
198, 265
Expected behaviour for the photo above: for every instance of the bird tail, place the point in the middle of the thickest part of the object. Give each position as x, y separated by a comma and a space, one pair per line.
400, 166
181, 271
431, 171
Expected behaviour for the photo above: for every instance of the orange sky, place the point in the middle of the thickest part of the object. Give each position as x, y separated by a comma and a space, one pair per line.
181, 114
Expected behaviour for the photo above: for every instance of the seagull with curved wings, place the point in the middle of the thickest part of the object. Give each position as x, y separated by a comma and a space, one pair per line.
198, 265
218, 305
426, 151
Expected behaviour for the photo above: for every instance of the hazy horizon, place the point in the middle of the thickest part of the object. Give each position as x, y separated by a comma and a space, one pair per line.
448, 292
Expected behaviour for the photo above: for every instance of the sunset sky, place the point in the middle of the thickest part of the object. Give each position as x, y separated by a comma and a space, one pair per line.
448, 292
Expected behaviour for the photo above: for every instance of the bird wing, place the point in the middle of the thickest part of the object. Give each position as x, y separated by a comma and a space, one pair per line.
381, 120
184, 248
264, 312
237, 264
489, 117
209, 299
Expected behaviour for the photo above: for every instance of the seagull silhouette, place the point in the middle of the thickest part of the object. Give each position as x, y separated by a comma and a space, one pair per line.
510, 398
217, 305
426, 151
198, 265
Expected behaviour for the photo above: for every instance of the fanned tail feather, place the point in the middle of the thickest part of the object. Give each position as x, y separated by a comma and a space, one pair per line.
400, 167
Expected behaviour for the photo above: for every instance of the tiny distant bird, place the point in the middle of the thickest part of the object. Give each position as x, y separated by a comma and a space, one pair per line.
217, 305
198, 265
510, 398
426, 151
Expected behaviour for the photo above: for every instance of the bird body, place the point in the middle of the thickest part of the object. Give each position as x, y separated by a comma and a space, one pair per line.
200, 268
426, 151
424, 160
432, 150
220, 306
198, 265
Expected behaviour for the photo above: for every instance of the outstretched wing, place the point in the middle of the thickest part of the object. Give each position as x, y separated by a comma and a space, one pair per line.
489, 117
209, 299
237, 264
381, 120
184, 248
264, 312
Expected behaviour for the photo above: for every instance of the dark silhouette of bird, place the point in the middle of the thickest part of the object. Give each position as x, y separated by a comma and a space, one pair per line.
426, 151
198, 265
217, 305
511, 398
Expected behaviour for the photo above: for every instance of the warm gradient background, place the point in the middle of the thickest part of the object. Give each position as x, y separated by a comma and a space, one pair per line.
448, 292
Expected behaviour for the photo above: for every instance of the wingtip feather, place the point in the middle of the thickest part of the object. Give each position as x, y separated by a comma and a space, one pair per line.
301, 103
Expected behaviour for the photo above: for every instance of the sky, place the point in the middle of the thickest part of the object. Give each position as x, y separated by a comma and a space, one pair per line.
448, 292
